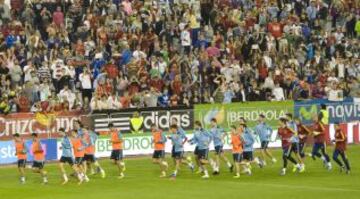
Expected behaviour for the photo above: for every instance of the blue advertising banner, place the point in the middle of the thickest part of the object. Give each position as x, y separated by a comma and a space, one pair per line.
343, 111
7, 150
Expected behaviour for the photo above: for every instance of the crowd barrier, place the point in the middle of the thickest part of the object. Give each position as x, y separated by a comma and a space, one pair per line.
346, 112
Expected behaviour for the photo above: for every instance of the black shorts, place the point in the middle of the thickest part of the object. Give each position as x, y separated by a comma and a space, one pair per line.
196, 151
158, 154
295, 147
79, 160
237, 157
203, 154
21, 163
219, 150
173, 152
68, 160
286, 151
89, 158
264, 144
248, 155
38, 165
178, 154
116, 154
302, 149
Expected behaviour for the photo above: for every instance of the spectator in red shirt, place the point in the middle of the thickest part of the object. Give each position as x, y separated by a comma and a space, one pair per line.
276, 29
58, 17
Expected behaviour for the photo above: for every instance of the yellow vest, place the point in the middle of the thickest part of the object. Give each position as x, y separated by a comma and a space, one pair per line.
325, 116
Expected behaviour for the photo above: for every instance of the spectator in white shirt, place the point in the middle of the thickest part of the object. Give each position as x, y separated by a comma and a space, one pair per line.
278, 92
27, 71
138, 54
114, 102
67, 95
186, 39
85, 83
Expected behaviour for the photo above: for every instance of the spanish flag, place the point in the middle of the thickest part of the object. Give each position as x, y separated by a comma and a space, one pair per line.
45, 119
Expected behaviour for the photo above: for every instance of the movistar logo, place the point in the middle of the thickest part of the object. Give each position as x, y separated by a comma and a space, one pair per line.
307, 113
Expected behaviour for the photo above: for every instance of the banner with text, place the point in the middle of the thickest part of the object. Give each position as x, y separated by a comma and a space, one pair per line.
7, 150
141, 145
345, 111
228, 114
45, 124
140, 120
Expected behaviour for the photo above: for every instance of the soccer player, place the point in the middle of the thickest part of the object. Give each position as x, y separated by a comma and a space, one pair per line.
67, 156
248, 141
319, 143
79, 152
236, 148
159, 140
39, 157
264, 132
21, 151
180, 131
303, 135
218, 134
202, 139
291, 124
286, 134
178, 148
117, 150
90, 138
340, 148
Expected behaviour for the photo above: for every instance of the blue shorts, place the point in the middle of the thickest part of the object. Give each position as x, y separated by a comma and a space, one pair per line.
237, 157
158, 154
203, 154
295, 147
248, 155
264, 144
219, 150
117, 154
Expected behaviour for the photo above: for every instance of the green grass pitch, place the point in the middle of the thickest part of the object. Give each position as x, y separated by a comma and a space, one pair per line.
142, 182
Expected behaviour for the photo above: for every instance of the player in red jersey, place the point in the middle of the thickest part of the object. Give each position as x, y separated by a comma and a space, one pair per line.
303, 132
286, 134
319, 143
340, 148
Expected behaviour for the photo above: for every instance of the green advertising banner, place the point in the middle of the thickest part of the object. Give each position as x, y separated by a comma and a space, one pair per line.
228, 114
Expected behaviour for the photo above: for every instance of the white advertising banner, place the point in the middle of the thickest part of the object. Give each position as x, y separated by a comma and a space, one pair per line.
141, 145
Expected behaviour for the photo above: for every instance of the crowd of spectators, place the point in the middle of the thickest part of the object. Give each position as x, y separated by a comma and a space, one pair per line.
62, 55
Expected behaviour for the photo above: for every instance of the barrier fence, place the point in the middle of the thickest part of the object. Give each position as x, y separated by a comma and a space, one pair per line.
138, 121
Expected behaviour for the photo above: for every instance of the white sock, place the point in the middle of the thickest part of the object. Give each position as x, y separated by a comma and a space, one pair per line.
206, 172
165, 164
228, 164
323, 158
65, 177
175, 172
45, 179
22, 179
